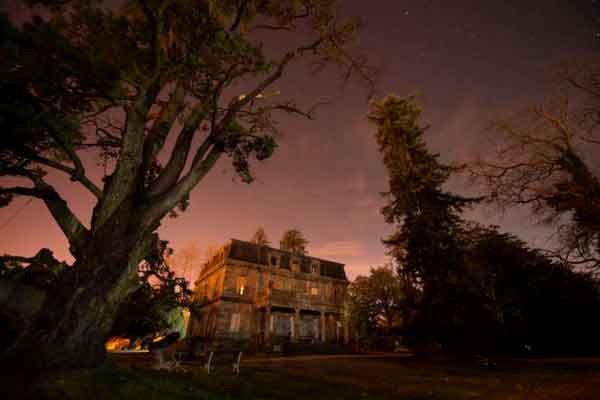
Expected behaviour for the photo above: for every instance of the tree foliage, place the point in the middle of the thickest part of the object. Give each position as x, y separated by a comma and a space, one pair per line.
260, 237
523, 302
467, 287
427, 244
376, 300
293, 241
151, 90
184, 260
427, 217
149, 309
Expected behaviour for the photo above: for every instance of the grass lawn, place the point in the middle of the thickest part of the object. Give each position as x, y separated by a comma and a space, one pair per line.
336, 378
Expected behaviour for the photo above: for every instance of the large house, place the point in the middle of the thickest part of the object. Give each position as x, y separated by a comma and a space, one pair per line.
250, 291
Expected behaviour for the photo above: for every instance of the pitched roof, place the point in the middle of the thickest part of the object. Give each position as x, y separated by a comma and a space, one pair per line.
257, 254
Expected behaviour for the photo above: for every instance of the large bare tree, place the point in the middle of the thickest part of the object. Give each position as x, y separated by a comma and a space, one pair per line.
124, 83
547, 158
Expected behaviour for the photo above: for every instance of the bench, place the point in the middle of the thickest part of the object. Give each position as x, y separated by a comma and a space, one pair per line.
209, 359
211, 353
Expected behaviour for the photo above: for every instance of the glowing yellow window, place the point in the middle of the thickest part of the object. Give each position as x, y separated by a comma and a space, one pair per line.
240, 287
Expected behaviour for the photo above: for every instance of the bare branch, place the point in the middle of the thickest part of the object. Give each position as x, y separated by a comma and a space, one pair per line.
67, 221
168, 200
75, 173
240, 13
179, 155
162, 125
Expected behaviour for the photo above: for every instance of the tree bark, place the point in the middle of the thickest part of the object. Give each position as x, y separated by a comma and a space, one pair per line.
77, 315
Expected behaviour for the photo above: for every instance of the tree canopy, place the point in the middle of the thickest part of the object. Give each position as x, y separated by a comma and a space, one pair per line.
293, 240
543, 159
375, 300
426, 216
151, 89
467, 287
260, 237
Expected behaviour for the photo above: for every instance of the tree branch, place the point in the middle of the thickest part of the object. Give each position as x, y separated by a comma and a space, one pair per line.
75, 173
75, 232
179, 155
240, 13
162, 125
126, 177
201, 165
168, 200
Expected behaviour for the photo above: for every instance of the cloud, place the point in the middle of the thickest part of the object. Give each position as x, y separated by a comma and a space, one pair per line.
356, 184
367, 201
342, 248
358, 267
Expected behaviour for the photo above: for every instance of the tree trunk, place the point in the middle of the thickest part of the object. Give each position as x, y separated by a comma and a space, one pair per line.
76, 318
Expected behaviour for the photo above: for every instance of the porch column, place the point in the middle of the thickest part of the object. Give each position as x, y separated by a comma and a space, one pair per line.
346, 332
268, 323
296, 325
323, 335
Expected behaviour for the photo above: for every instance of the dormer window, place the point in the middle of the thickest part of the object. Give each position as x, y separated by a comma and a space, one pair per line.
275, 260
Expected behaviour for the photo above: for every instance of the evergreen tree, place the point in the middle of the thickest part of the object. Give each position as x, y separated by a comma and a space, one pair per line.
427, 243
293, 241
260, 237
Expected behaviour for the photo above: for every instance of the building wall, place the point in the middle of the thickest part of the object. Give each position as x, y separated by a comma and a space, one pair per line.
234, 294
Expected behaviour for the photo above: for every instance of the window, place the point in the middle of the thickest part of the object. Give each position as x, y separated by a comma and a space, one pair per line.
295, 266
240, 286
278, 283
261, 282
286, 284
273, 261
216, 289
235, 323
315, 268
314, 291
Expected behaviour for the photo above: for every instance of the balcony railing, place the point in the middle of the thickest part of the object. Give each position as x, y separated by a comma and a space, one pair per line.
283, 295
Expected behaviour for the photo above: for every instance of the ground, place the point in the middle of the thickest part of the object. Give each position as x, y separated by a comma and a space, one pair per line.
336, 377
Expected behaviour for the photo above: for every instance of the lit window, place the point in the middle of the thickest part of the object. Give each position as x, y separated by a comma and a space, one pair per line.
235, 322
240, 286
314, 291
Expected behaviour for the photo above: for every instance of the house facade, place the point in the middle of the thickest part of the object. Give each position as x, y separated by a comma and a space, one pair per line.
249, 291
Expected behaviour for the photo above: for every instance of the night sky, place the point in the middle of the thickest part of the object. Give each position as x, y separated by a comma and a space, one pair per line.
470, 61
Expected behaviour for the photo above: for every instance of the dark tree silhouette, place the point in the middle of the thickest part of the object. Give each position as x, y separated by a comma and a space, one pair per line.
117, 84
260, 237
294, 241
544, 159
